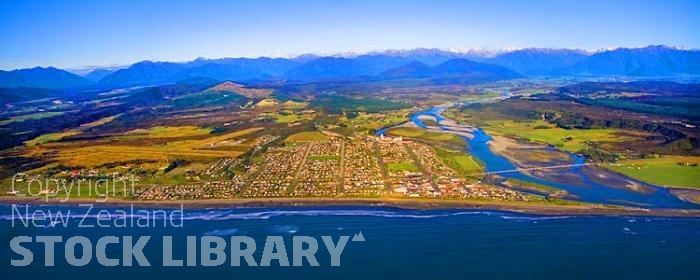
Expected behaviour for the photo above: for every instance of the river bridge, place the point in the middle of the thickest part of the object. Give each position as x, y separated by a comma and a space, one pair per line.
534, 168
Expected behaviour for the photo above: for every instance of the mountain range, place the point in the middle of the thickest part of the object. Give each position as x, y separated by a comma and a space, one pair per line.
651, 61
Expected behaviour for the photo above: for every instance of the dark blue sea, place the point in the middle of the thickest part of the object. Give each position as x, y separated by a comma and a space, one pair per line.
398, 244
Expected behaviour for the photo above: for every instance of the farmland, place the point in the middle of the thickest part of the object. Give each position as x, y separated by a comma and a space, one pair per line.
208, 141
309, 136
572, 140
422, 134
119, 150
402, 166
462, 163
663, 171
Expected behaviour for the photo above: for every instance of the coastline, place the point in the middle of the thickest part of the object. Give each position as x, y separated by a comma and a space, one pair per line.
404, 203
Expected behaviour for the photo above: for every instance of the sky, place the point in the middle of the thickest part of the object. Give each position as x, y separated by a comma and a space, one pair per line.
75, 34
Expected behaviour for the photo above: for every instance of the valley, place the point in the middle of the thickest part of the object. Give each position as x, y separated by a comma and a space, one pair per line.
255, 143
394, 135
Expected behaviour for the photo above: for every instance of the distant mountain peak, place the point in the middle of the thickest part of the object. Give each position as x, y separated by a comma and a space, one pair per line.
97, 74
413, 69
648, 61
42, 77
226, 86
538, 61
240, 89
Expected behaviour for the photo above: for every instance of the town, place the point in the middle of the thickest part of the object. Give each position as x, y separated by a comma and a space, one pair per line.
365, 166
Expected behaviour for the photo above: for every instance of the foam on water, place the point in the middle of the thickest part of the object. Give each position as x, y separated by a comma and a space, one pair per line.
249, 214
236, 214
533, 218
221, 232
291, 229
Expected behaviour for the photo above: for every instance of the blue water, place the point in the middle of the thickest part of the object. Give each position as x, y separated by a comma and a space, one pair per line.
399, 244
433, 112
592, 192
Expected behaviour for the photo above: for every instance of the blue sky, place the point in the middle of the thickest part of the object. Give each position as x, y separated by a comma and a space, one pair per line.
116, 32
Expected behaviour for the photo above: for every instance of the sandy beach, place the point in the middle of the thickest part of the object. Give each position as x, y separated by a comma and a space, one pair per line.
407, 203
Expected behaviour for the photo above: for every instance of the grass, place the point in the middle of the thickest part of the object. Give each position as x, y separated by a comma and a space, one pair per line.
402, 166
460, 162
33, 116
99, 122
287, 118
78, 154
266, 103
208, 99
530, 186
572, 140
293, 105
168, 132
92, 156
307, 136
37, 116
373, 121
338, 103
53, 137
50, 137
80, 189
480, 96
669, 171
419, 133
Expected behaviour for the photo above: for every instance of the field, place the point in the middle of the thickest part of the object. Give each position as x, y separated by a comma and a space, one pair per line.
207, 99
167, 132
419, 133
280, 118
533, 187
51, 137
664, 171
289, 117
373, 121
56, 136
338, 103
101, 153
33, 116
460, 162
99, 122
572, 140
267, 102
36, 116
402, 166
308, 136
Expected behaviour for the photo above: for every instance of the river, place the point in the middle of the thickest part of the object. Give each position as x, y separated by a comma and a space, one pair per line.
399, 243
591, 190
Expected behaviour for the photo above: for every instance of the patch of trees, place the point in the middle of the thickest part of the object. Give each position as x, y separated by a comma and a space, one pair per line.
656, 87
336, 104
175, 164
683, 109
504, 109
595, 154
683, 146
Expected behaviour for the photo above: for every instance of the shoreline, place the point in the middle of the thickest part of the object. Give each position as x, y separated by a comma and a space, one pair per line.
403, 203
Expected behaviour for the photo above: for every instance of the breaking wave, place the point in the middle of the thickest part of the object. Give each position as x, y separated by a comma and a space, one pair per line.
264, 215
237, 214
286, 229
531, 218
221, 232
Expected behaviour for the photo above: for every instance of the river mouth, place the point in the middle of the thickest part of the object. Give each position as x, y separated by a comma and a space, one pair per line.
547, 166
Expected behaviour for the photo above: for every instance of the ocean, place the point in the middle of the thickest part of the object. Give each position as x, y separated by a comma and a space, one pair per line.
398, 244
